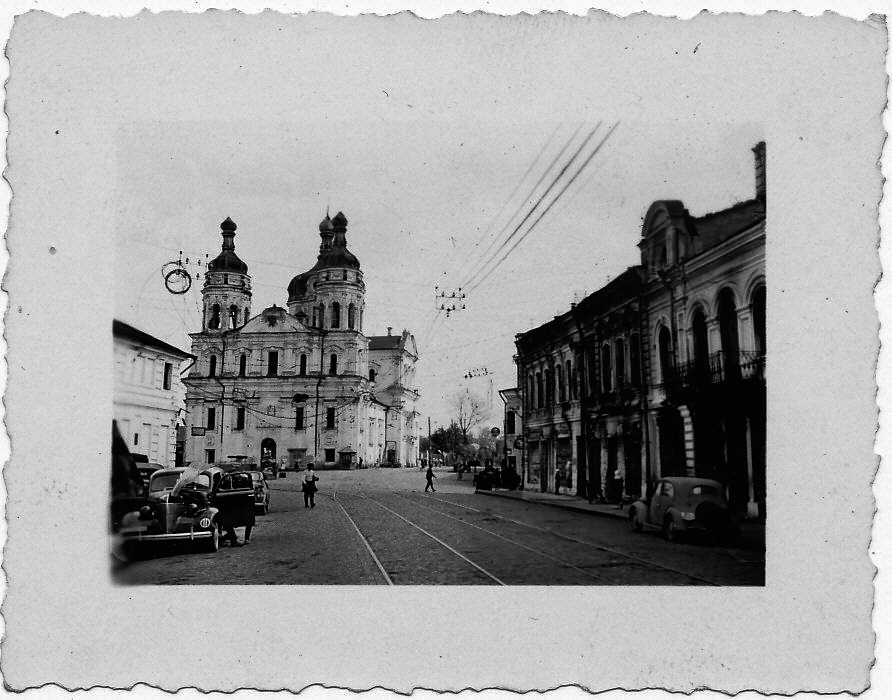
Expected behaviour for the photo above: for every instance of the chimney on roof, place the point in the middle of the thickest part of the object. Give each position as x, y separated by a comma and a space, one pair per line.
759, 152
389, 329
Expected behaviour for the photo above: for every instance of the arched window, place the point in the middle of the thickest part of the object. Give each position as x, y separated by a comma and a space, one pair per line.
336, 315
559, 376
571, 382
665, 351
620, 357
212, 371
315, 317
322, 315
303, 365
214, 322
727, 313
333, 364
246, 316
371, 375
233, 316
242, 365
605, 369
758, 310
700, 341
539, 393
351, 316
549, 387
634, 360
531, 396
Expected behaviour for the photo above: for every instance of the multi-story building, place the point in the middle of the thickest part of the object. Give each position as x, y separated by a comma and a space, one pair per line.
148, 394
289, 386
661, 371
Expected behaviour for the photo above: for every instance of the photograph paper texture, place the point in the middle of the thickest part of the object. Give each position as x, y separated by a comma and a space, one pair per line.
136, 143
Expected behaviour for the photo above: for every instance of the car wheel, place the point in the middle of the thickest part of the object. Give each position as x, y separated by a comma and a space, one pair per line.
212, 544
670, 530
636, 524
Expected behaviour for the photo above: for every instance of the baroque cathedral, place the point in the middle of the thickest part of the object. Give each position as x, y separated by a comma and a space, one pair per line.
302, 384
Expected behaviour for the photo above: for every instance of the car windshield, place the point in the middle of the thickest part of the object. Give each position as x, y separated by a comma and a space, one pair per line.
705, 490
165, 481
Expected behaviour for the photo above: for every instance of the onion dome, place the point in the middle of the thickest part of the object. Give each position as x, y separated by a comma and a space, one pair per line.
227, 260
333, 253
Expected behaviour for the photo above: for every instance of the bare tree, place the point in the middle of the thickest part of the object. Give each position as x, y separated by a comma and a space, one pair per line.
469, 412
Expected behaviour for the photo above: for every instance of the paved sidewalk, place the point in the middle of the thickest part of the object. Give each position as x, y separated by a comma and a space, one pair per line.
752, 531
561, 501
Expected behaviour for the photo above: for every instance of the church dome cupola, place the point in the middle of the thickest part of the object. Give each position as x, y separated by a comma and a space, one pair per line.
227, 260
227, 286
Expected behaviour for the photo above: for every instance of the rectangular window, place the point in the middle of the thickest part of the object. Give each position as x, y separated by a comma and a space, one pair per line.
299, 418
510, 427
240, 418
272, 364
212, 419
135, 439
330, 417
329, 454
168, 369
209, 456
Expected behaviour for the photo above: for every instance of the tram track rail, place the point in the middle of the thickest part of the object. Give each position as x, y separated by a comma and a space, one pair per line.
569, 538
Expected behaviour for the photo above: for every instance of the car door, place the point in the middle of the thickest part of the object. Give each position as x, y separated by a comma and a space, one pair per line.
234, 499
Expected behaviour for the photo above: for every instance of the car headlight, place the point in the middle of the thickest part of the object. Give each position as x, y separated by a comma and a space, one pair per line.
687, 516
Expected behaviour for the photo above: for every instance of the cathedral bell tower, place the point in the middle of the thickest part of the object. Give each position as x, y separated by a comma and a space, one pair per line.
330, 295
227, 287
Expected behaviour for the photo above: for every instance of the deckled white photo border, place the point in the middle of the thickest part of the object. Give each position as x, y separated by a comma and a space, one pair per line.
53, 422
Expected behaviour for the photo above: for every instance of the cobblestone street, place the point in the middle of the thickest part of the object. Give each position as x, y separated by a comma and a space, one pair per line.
378, 526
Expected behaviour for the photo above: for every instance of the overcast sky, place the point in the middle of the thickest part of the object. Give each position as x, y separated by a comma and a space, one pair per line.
425, 156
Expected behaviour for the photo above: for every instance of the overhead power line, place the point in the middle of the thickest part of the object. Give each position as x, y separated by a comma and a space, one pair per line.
471, 285
547, 209
480, 265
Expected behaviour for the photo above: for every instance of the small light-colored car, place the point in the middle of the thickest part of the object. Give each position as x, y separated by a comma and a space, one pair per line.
682, 504
261, 492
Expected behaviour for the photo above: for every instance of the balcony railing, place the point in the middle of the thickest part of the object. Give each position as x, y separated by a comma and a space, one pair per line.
720, 367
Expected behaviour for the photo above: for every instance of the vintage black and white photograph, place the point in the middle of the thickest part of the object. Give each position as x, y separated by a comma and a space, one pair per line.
469, 352
393, 399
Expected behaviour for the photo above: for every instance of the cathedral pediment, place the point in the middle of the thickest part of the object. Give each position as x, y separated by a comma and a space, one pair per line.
274, 319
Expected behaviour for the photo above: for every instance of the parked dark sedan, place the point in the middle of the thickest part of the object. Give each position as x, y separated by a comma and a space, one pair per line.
682, 504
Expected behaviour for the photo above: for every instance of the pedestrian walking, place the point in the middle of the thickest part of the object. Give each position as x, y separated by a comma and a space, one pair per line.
558, 477
430, 476
618, 487
309, 487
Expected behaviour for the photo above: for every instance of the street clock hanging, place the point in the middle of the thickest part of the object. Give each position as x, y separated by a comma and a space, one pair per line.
176, 277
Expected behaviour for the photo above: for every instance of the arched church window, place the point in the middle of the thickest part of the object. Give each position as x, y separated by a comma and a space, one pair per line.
214, 323
233, 316
212, 370
315, 317
351, 316
303, 365
371, 375
322, 315
246, 315
333, 364
336, 315
242, 365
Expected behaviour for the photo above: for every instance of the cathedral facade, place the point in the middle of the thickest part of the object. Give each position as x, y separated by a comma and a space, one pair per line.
301, 384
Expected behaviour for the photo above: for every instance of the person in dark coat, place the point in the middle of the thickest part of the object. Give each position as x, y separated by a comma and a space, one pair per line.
309, 487
235, 500
430, 476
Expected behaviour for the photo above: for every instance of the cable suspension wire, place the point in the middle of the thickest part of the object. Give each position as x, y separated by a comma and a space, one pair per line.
478, 266
493, 221
470, 284
547, 209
